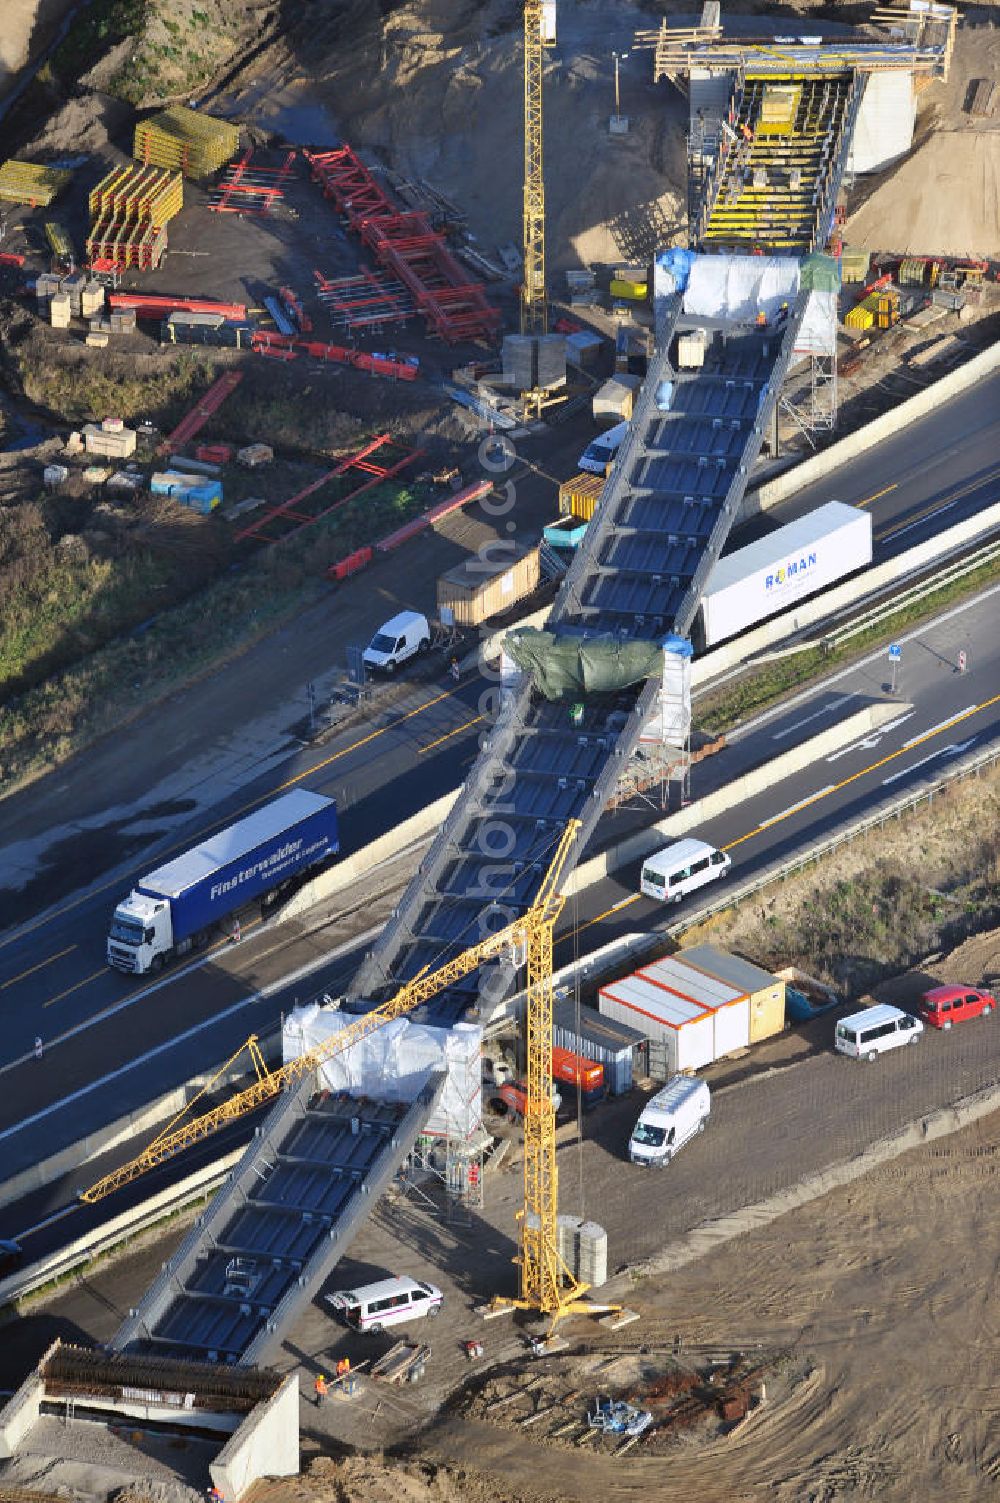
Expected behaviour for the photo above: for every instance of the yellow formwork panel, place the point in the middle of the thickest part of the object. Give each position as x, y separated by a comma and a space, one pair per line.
150, 195
778, 109
31, 183
185, 140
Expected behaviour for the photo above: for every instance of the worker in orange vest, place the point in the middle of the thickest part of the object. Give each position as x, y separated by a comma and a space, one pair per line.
321, 1389
343, 1367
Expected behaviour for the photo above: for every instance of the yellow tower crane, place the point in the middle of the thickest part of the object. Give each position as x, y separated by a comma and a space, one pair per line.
547, 1286
538, 32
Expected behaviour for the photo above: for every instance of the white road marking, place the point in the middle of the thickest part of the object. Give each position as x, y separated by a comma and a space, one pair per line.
827, 709
941, 725
954, 750
873, 739
930, 516
794, 808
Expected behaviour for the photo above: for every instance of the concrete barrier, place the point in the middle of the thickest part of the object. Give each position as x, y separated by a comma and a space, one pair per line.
265, 1445
418, 827
636, 846
19, 1416
773, 492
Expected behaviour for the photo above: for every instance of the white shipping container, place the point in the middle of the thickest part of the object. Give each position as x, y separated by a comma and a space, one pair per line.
729, 1006
772, 574
687, 1029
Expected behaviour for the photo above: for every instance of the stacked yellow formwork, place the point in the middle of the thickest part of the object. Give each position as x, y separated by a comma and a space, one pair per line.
31, 183
129, 211
186, 141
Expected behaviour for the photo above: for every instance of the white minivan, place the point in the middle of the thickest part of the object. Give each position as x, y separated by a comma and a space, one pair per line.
598, 455
390, 1302
395, 641
670, 1119
866, 1035
672, 873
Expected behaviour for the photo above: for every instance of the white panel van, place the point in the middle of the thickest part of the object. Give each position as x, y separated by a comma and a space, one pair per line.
390, 1302
678, 869
397, 640
598, 455
670, 1119
866, 1035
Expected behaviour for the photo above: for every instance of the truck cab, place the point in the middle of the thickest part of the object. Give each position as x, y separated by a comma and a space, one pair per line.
141, 935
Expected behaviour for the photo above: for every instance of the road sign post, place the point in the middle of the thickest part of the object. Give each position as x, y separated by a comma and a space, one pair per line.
895, 655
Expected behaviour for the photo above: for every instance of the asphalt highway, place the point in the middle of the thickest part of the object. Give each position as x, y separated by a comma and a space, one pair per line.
52, 972
202, 1016
111, 1043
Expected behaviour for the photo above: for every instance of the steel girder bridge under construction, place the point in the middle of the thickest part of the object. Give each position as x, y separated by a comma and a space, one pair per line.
536, 793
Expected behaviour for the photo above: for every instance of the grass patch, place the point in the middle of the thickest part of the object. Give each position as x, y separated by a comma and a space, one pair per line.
114, 681
761, 687
82, 391
880, 905
99, 26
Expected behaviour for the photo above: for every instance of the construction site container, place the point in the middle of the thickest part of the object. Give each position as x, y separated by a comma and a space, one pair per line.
633, 289
32, 183
110, 445
614, 401
186, 140
729, 1006
54, 475
483, 587
581, 494
254, 455
687, 1030
766, 992
566, 531
691, 349
59, 311
582, 348
617, 1047
854, 264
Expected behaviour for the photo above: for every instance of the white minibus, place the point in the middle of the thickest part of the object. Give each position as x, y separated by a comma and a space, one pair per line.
678, 869
866, 1035
390, 1302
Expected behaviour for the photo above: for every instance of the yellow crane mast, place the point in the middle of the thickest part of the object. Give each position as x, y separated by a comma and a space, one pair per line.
534, 311
546, 1284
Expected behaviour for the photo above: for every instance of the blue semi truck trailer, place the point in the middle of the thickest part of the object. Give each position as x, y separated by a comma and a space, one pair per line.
177, 907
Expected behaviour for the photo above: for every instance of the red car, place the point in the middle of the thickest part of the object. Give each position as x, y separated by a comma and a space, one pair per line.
945, 1005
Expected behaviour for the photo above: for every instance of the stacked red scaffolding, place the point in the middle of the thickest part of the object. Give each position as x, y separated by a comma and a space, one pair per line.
407, 244
202, 410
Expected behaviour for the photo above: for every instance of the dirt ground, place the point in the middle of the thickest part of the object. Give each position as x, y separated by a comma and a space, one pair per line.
882, 1370
944, 198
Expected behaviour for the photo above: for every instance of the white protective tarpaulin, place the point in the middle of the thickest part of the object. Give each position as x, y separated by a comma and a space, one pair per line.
740, 287
394, 1063
818, 330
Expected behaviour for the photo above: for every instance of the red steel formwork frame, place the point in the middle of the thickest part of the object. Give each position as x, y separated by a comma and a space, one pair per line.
156, 305
250, 189
361, 461
202, 410
407, 245
287, 347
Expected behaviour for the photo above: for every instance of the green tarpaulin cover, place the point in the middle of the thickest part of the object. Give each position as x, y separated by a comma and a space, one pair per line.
575, 667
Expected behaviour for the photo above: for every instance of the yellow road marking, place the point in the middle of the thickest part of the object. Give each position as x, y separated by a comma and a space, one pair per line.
872, 767
943, 503
883, 492
806, 803
76, 987
32, 969
344, 751
448, 734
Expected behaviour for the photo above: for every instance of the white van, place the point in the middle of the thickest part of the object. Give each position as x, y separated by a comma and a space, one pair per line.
670, 1119
678, 869
597, 456
866, 1035
395, 641
390, 1302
